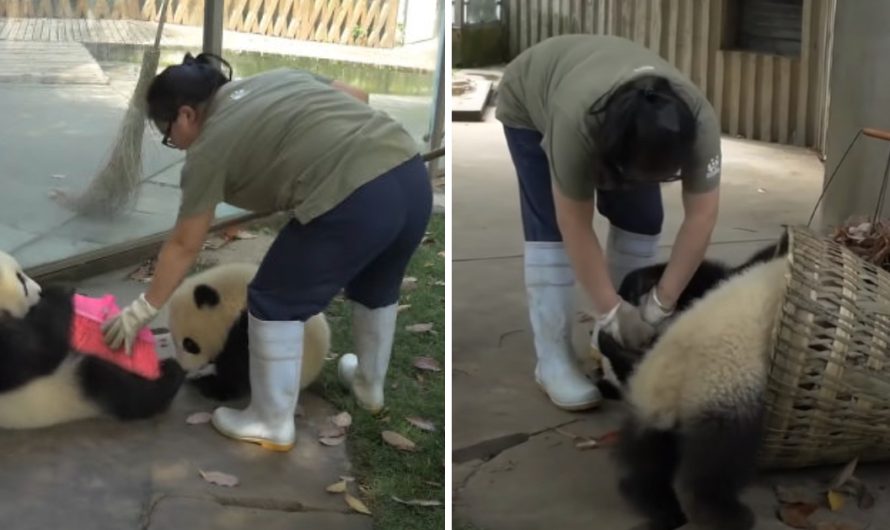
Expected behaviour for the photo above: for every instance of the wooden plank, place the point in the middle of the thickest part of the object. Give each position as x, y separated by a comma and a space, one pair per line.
734, 82
749, 76
686, 31
804, 75
600, 18
471, 105
766, 120
702, 42
673, 29
655, 40
782, 106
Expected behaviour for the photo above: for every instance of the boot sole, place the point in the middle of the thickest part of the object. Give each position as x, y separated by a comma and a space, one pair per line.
265, 444
577, 407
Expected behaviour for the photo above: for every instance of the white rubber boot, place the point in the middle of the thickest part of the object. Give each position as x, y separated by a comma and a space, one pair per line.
373, 331
627, 251
549, 282
276, 351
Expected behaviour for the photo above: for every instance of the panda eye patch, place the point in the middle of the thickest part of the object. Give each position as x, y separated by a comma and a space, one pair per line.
205, 296
191, 346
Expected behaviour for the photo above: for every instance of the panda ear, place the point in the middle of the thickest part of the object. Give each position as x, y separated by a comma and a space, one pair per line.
205, 296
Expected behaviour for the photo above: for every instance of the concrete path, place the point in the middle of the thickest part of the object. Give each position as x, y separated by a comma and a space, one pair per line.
100, 475
515, 464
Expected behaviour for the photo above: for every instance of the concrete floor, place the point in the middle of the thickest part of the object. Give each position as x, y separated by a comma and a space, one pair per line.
512, 467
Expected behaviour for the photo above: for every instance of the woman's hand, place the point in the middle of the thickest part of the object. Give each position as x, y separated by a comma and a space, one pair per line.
687, 253
174, 260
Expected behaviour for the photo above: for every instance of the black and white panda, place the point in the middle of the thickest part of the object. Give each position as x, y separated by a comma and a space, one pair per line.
618, 362
696, 398
208, 325
44, 382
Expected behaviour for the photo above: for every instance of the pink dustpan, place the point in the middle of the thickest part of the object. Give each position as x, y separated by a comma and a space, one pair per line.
86, 337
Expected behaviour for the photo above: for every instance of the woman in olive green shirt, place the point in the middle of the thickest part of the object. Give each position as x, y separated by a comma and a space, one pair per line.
591, 117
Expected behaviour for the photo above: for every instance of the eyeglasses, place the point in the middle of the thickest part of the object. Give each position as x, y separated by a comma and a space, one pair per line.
166, 140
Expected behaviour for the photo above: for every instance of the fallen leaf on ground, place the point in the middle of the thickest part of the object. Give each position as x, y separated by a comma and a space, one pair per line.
442, 254
403, 307
398, 441
356, 504
796, 515
796, 495
347, 478
426, 327
342, 420
422, 424
409, 283
337, 487
835, 500
865, 500
844, 475
416, 502
198, 418
427, 363
589, 443
332, 441
331, 431
608, 439
219, 478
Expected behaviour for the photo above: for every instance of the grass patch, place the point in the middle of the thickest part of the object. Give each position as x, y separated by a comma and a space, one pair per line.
381, 470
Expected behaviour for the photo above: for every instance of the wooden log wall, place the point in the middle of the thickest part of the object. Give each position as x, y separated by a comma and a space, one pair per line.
759, 96
370, 23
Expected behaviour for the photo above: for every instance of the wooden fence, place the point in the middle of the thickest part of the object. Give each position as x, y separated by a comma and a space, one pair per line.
370, 23
760, 96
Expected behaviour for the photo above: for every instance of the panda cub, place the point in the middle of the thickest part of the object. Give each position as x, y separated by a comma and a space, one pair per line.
690, 444
208, 324
43, 381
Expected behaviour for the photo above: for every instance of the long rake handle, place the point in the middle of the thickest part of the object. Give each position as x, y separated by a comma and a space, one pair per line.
880, 134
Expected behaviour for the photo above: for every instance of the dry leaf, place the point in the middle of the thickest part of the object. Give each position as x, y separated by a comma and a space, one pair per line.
416, 502
608, 439
347, 478
420, 328
427, 363
440, 283
356, 504
219, 478
337, 487
342, 420
865, 500
244, 234
442, 254
403, 307
332, 442
199, 418
589, 443
844, 475
331, 431
398, 441
797, 515
835, 500
420, 423
796, 495
409, 283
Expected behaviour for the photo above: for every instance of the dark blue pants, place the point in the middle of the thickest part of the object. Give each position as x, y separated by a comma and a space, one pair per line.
363, 245
639, 210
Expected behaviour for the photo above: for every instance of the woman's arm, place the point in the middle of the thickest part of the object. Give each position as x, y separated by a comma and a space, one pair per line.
690, 245
575, 220
177, 256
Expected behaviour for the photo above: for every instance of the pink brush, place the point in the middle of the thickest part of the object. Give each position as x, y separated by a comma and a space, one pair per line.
86, 337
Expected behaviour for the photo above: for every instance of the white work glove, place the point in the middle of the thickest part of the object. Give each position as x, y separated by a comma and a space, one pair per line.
653, 311
122, 329
626, 325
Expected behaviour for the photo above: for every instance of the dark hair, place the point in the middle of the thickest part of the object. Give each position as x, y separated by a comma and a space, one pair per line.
192, 83
644, 123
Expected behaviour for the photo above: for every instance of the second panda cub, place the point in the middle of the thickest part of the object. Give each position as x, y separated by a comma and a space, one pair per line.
208, 324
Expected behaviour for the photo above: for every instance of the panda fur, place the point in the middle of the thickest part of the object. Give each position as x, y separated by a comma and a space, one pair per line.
696, 398
208, 324
44, 382
619, 362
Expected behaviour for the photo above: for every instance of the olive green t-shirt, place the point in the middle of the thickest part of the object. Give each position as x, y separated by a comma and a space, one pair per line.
285, 140
551, 87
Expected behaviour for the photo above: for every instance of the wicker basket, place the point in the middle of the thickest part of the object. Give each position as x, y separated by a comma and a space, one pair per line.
828, 393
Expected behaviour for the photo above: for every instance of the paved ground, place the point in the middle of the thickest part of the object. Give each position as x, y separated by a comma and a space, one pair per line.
512, 468
101, 475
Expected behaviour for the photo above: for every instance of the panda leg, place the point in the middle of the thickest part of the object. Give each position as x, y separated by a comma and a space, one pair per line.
648, 459
718, 458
